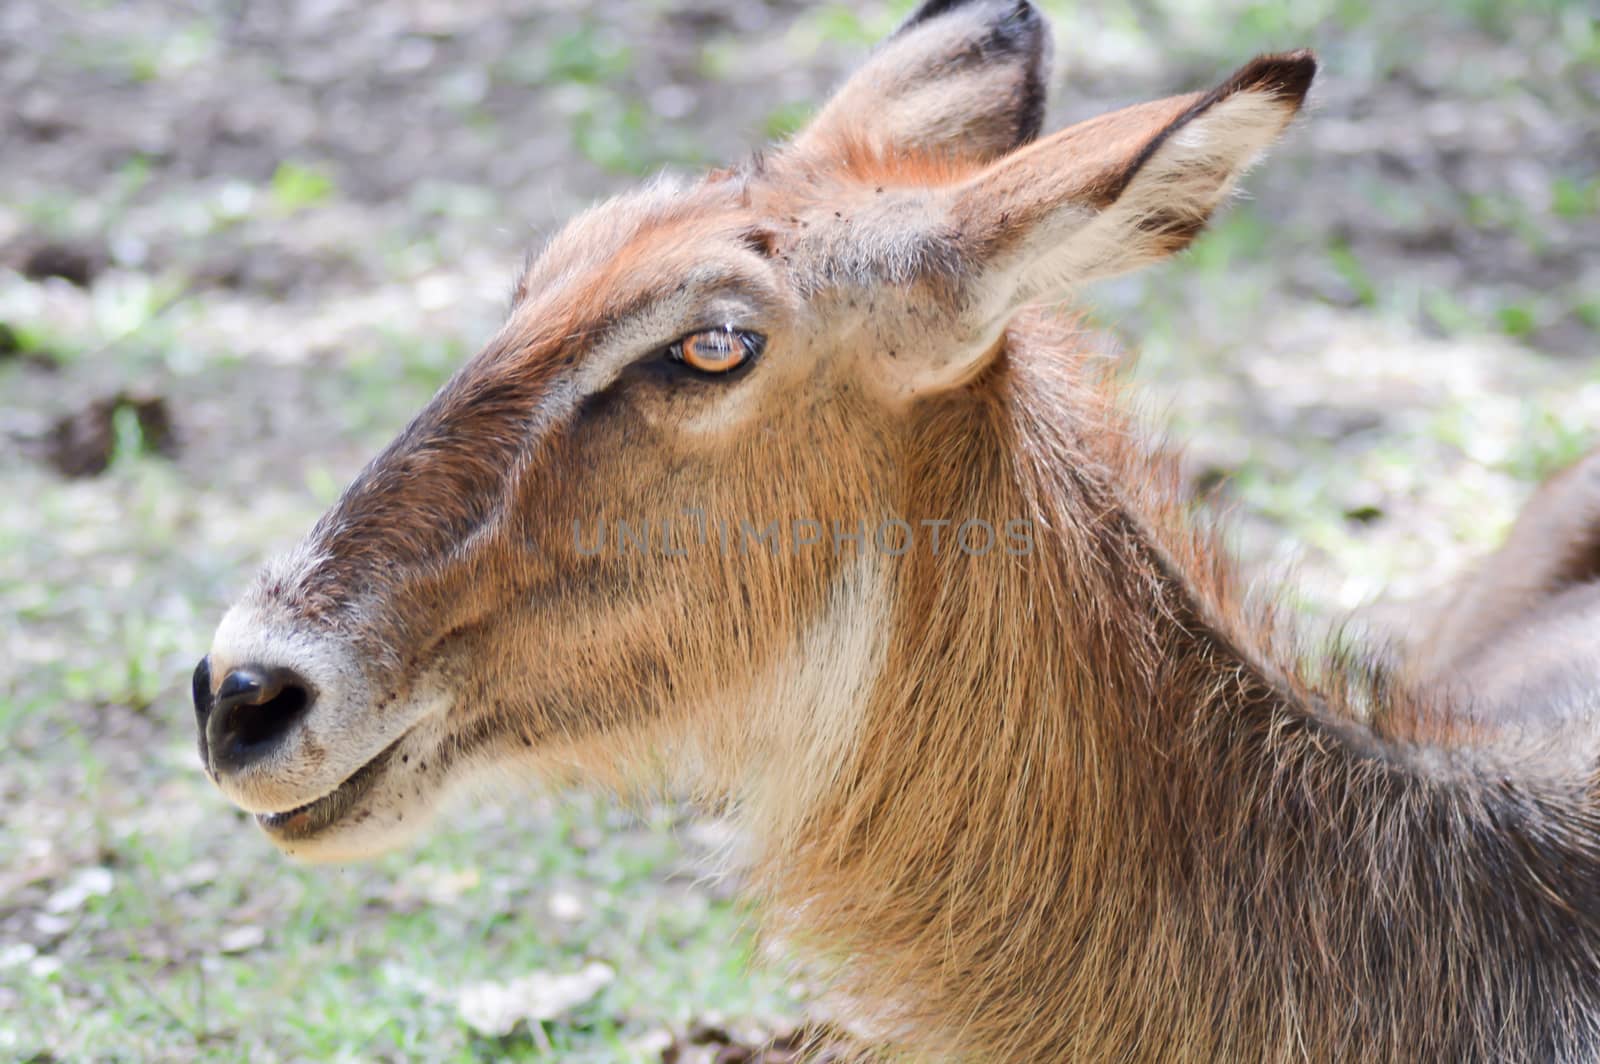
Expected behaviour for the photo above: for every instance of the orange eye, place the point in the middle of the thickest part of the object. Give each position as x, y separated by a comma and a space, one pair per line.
718, 350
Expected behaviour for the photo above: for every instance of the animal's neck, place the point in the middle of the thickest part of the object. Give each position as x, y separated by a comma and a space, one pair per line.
1087, 820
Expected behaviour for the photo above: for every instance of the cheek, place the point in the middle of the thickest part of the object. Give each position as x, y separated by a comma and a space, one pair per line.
664, 563
725, 410
634, 636
565, 673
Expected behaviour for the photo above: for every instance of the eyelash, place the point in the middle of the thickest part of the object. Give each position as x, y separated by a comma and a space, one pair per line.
751, 343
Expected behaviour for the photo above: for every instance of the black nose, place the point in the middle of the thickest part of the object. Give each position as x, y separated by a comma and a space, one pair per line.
254, 708
201, 688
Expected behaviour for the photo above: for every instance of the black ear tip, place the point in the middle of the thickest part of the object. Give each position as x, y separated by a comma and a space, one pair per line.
1009, 31
1015, 12
1287, 75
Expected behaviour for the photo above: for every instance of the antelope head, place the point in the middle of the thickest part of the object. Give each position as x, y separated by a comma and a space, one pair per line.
645, 524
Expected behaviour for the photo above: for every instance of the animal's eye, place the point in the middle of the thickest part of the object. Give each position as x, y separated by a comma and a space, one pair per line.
717, 350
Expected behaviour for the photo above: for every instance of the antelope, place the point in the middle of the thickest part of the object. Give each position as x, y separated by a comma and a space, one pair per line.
1057, 787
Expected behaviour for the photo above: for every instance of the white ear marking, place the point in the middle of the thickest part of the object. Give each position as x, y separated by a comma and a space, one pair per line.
961, 80
1175, 175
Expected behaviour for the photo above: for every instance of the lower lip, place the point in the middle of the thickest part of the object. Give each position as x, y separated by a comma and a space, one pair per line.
319, 815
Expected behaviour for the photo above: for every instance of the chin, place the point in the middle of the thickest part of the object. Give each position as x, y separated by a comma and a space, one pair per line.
370, 814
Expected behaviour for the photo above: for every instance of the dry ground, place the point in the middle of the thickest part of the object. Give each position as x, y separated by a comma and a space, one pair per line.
241, 241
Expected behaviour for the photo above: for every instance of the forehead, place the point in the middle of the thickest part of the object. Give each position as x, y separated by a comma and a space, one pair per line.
656, 235
634, 274
632, 229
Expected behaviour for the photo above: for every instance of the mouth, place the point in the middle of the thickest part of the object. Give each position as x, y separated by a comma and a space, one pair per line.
316, 816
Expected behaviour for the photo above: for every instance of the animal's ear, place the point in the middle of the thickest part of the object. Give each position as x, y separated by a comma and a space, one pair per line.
1116, 192
960, 78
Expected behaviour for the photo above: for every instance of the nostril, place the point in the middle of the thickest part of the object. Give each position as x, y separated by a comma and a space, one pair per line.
201, 690
260, 710
201, 686
254, 709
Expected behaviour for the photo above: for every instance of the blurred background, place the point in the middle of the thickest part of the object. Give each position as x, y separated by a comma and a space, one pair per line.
242, 241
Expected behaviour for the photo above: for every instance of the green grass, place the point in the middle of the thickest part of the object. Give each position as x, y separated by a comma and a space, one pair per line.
352, 964
1374, 420
589, 55
297, 186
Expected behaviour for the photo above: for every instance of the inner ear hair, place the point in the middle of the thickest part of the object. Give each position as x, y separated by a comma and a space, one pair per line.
1277, 79
1122, 190
965, 79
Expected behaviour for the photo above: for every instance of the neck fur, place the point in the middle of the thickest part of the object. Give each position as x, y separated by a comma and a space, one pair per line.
1089, 814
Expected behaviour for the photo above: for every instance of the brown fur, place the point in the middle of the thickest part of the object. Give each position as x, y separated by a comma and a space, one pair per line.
1087, 802
1122, 836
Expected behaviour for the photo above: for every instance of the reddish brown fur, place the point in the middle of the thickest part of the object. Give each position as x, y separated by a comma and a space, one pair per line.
1085, 803
1134, 831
